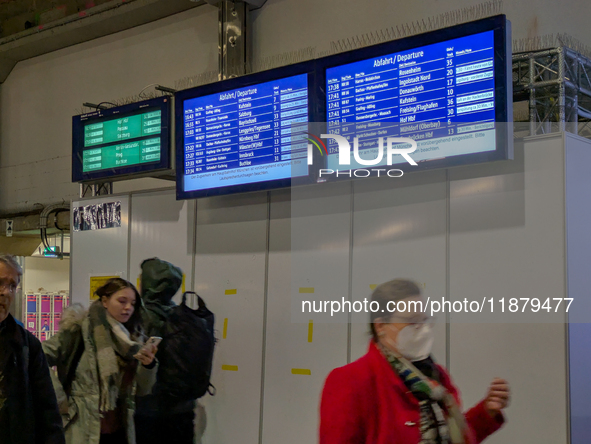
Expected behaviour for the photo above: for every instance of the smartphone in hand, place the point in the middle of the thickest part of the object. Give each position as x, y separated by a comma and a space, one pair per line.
152, 342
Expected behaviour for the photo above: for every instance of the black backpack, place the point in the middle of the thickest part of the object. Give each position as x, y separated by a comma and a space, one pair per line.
186, 352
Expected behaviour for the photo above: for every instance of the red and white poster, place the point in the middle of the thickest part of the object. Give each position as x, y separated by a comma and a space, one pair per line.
58, 303
32, 323
45, 303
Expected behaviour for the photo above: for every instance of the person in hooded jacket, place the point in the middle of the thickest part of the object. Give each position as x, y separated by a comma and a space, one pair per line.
160, 418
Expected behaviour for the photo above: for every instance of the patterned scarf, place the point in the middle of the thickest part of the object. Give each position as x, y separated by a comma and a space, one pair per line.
114, 351
442, 422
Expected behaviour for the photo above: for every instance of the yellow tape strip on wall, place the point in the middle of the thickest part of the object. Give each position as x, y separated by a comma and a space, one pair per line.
310, 331
230, 368
301, 371
306, 289
225, 331
233, 291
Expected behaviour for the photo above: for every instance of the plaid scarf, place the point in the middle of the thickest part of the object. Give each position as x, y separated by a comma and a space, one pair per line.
114, 352
441, 422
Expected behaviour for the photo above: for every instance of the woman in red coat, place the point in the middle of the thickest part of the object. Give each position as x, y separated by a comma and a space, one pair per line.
396, 394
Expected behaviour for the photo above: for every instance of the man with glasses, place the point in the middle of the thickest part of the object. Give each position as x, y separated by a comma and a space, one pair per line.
28, 407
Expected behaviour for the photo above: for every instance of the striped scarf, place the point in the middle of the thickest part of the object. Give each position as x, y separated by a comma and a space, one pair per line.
441, 422
114, 352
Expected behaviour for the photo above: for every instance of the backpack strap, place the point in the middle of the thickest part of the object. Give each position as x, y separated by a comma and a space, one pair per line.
200, 302
184, 301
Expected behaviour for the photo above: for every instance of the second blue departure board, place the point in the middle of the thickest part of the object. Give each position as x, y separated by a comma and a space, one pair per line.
246, 135
441, 95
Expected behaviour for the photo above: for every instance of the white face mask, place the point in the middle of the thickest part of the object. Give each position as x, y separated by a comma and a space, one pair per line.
414, 342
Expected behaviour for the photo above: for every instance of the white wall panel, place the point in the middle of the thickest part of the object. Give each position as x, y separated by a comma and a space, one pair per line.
399, 231
98, 252
308, 248
507, 240
230, 276
162, 227
578, 220
49, 274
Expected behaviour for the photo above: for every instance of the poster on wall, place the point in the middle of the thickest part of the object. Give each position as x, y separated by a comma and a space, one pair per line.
97, 217
97, 282
43, 312
32, 322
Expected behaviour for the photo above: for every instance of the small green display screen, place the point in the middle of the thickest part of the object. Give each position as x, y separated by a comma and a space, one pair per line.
123, 141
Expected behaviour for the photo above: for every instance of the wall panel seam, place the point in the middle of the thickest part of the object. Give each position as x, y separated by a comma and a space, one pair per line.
265, 294
447, 269
566, 320
129, 223
350, 290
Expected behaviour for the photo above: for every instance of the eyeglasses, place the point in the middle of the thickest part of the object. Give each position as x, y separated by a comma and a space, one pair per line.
8, 286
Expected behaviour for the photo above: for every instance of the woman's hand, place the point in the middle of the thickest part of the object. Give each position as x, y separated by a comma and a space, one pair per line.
497, 397
147, 356
64, 407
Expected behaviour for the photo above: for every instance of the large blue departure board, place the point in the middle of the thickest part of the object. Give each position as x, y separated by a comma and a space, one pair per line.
451, 96
244, 136
447, 81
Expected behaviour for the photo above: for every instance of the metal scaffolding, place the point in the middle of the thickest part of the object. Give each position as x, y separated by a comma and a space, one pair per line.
96, 189
552, 91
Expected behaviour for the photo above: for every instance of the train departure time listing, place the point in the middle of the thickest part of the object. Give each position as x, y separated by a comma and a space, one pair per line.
246, 135
437, 95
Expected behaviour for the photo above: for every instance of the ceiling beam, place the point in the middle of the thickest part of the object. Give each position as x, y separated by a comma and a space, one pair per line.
99, 21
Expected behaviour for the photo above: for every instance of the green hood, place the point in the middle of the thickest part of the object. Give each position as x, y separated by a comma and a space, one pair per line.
160, 281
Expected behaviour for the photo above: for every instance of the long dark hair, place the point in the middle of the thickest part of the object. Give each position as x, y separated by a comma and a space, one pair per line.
112, 286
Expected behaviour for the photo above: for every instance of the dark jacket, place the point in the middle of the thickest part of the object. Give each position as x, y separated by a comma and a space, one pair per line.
32, 407
159, 283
